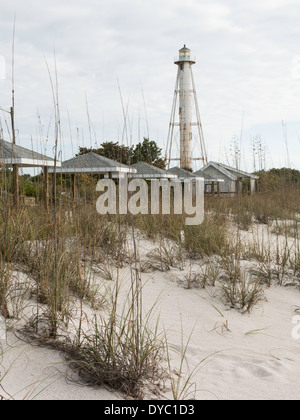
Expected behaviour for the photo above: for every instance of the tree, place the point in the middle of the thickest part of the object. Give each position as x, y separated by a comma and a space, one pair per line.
149, 152
111, 150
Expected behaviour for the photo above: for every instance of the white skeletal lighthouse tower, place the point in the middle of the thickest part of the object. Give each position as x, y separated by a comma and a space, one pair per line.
188, 107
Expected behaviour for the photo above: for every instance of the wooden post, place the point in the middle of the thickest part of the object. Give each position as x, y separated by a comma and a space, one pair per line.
46, 186
218, 186
213, 189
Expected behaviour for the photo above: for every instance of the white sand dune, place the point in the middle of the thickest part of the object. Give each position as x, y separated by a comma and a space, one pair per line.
236, 356
35, 373
248, 356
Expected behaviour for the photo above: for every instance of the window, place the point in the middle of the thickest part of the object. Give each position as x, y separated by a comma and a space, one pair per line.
208, 188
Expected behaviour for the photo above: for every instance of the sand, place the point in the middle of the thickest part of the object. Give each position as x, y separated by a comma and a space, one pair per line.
236, 356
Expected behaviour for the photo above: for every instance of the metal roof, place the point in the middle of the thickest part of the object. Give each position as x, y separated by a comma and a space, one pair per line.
185, 48
16, 155
221, 169
207, 177
92, 163
229, 172
239, 173
144, 170
184, 174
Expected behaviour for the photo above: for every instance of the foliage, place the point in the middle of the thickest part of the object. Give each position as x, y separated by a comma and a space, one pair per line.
111, 150
278, 178
146, 151
149, 152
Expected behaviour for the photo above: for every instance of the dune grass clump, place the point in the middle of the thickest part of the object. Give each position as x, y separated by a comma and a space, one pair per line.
160, 226
55, 271
239, 289
14, 230
95, 231
5, 281
295, 262
121, 350
243, 219
164, 257
263, 206
242, 294
210, 238
290, 230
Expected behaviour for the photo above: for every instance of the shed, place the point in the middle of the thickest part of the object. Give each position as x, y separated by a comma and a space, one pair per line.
234, 180
212, 185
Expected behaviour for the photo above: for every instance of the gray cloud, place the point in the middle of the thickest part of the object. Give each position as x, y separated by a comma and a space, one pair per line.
244, 67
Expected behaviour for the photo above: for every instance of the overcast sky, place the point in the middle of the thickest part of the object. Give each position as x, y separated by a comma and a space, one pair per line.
247, 73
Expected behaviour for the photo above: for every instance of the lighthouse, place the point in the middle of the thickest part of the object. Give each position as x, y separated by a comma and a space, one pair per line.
185, 108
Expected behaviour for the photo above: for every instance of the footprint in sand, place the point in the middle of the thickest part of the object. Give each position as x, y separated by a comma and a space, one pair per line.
259, 368
246, 366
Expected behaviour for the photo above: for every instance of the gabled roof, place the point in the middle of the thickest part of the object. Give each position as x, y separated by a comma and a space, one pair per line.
221, 169
239, 173
184, 174
16, 155
92, 163
144, 170
207, 177
229, 172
